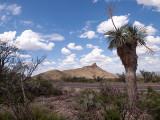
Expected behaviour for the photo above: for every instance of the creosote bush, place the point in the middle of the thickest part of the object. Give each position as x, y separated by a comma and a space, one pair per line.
150, 102
121, 78
39, 113
77, 79
41, 87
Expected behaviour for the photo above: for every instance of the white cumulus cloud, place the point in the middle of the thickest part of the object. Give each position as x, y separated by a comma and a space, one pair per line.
73, 47
33, 41
49, 63
8, 35
89, 35
65, 51
149, 29
91, 46
107, 25
105, 62
152, 3
69, 62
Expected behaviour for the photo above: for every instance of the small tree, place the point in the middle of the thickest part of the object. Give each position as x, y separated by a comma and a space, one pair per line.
121, 77
14, 73
147, 76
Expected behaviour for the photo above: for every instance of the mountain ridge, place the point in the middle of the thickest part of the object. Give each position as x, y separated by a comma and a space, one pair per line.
86, 71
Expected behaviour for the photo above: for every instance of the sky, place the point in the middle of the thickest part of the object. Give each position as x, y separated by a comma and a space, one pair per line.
70, 33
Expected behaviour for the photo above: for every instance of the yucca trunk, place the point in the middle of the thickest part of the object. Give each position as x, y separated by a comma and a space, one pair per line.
131, 87
128, 56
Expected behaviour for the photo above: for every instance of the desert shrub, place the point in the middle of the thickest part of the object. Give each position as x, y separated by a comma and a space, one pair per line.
38, 112
87, 104
156, 79
109, 101
121, 78
113, 102
5, 116
43, 87
77, 79
97, 78
150, 102
87, 100
111, 114
147, 76
16, 94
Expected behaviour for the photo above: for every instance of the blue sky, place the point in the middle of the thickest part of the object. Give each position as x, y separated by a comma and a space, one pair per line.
70, 32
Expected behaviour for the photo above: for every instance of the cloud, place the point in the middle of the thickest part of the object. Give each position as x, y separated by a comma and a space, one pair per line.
8, 35
33, 41
149, 29
89, 35
94, 57
88, 25
49, 63
24, 56
150, 3
21, 55
14, 9
7, 11
107, 25
2, 7
105, 62
25, 22
149, 63
65, 51
54, 37
73, 47
94, 1
69, 62
153, 40
91, 46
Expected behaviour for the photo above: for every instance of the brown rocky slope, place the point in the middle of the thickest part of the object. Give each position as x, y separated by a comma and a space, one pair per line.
87, 72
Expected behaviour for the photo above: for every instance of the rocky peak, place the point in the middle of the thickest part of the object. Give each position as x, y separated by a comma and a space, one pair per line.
94, 65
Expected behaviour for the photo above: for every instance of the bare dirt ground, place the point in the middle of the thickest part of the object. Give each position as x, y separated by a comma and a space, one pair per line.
63, 105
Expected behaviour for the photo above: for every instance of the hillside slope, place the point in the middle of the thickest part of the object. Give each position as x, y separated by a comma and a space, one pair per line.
52, 75
87, 72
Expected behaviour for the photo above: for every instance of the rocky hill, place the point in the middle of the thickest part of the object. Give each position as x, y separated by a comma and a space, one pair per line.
87, 72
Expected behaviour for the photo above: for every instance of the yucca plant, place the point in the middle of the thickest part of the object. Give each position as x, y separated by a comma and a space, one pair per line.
126, 39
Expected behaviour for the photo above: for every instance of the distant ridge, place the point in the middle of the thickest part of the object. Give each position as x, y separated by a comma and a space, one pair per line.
87, 72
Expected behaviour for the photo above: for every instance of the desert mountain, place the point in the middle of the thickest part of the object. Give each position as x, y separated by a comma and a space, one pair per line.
87, 72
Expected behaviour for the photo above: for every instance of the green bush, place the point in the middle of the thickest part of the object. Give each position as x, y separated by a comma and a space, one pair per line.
150, 102
147, 76
77, 79
87, 100
43, 87
111, 114
121, 78
113, 102
87, 104
5, 116
38, 112
97, 78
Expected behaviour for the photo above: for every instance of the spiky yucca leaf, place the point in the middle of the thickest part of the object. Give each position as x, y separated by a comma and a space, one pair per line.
127, 34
